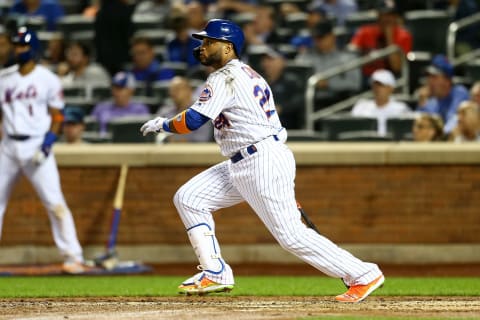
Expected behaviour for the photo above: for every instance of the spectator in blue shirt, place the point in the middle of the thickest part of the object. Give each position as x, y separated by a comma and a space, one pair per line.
180, 48
444, 97
146, 68
48, 9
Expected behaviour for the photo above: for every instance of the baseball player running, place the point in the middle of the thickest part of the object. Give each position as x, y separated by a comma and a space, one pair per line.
31, 102
260, 170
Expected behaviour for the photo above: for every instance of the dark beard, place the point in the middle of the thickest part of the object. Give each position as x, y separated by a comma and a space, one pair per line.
213, 59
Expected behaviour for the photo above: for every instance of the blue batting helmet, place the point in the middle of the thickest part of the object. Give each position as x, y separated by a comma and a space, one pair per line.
28, 37
223, 30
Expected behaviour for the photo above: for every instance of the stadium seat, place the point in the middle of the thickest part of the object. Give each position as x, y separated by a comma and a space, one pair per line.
296, 21
100, 93
91, 123
71, 6
151, 102
96, 137
304, 69
160, 89
74, 91
333, 125
360, 18
81, 102
363, 136
428, 29
156, 36
287, 50
302, 4
4, 8
127, 130
36, 23
179, 68
400, 127
74, 23
317, 136
147, 22
472, 70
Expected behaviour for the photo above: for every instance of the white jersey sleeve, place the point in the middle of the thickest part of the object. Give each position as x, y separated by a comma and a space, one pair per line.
215, 96
55, 97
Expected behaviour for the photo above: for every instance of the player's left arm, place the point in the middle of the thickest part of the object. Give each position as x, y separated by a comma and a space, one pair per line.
185, 122
57, 120
55, 109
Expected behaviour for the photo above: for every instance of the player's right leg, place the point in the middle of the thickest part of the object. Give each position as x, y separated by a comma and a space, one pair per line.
195, 201
9, 172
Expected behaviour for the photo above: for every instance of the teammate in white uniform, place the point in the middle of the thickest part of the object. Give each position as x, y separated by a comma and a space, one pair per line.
31, 103
261, 171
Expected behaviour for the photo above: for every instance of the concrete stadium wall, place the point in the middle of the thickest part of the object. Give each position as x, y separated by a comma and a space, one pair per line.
395, 203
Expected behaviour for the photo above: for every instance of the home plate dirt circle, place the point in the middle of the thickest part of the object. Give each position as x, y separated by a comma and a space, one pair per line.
234, 308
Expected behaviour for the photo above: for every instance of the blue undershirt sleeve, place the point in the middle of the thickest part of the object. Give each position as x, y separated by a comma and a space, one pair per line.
195, 119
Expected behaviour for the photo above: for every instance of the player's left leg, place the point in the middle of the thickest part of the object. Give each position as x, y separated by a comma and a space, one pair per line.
266, 181
46, 181
195, 201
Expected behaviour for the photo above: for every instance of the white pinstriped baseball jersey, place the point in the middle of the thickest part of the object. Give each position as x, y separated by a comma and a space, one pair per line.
240, 102
24, 101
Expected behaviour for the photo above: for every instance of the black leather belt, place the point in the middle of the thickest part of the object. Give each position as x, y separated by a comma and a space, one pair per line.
250, 150
19, 137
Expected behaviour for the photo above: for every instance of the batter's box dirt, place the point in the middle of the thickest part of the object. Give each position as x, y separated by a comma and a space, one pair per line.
235, 308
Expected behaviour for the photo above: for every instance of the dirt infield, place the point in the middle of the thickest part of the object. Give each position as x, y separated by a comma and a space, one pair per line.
235, 308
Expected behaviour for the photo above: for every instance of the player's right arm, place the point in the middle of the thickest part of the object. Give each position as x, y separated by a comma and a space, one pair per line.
207, 107
185, 122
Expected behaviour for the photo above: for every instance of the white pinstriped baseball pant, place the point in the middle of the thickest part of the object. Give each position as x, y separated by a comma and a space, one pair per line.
265, 180
15, 158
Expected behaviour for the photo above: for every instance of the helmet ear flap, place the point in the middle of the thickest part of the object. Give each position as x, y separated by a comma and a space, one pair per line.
196, 53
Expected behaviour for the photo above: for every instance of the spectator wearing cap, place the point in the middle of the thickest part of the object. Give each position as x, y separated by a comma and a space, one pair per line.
288, 88
51, 11
444, 97
383, 105
74, 125
385, 32
468, 124
325, 54
338, 10
123, 86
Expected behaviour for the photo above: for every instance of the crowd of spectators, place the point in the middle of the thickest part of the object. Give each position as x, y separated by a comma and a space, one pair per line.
134, 57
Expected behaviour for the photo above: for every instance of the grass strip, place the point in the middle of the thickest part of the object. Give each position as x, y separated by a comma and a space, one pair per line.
137, 286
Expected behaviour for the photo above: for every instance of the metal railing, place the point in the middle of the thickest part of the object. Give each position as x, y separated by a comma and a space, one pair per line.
311, 115
453, 29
